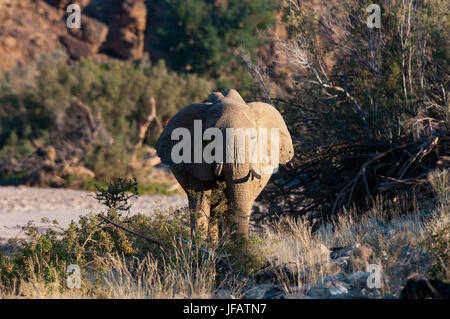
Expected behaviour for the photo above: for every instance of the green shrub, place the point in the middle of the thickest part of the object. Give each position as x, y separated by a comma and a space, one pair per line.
208, 32
92, 240
87, 241
32, 97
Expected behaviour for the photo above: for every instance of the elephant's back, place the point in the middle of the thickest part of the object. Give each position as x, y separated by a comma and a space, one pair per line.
230, 114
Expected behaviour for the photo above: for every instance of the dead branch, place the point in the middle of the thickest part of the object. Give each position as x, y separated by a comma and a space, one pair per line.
146, 121
153, 241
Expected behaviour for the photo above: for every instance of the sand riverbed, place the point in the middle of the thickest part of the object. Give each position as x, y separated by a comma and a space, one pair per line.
19, 205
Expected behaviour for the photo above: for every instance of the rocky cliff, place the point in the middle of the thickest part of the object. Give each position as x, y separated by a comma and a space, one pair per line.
31, 27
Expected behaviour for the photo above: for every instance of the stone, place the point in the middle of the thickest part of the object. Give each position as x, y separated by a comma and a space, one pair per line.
265, 291
359, 277
10, 42
290, 271
92, 31
359, 258
319, 292
48, 166
56, 181
338, 252
78, 128
62, 4
76, 48
275, 292
332, 279
80, 172
51, 164
363, 252
338, 290
223, 294
126, 37
151, 158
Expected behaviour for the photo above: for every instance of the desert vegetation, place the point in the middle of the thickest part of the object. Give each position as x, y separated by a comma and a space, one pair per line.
368, 107
369, 116
154, 257
35, 97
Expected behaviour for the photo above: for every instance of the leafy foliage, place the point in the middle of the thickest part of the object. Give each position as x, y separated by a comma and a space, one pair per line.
118, 194
89, 240
207, 32
33, 97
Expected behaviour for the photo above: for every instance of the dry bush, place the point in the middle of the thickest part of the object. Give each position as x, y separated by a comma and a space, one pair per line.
395, 242
368, 109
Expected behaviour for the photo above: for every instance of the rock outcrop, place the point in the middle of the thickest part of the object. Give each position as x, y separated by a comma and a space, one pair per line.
126, 37
32, 27
76, 49
28, 29
62, 4
76, 130
52, 164
92, 32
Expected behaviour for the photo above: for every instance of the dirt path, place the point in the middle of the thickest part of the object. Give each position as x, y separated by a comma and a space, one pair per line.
18, 205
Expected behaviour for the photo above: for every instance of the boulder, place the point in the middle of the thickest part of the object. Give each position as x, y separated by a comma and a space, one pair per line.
291, 271
360, 257
151, 158
42, 178
76, 129
62, 157
27, 30
48, 153
76, 48
92, 31
359, 278
126, 37
319, 292
339, 290
266, 291
79, 172
62, 4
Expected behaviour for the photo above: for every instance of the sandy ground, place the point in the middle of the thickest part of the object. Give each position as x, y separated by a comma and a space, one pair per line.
18, 205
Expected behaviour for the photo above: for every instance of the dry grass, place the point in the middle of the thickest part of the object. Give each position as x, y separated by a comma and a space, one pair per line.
382, 235
395, 242
187, 274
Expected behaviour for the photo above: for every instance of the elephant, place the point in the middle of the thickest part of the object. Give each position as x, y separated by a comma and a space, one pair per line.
244, 178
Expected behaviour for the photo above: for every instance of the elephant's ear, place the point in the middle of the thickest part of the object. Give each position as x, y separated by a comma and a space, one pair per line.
185, 119
266, 116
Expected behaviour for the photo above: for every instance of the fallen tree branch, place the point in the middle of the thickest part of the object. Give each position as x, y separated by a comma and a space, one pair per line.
109, 221
393, 182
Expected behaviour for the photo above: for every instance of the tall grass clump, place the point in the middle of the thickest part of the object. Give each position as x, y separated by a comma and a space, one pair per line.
401, 244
